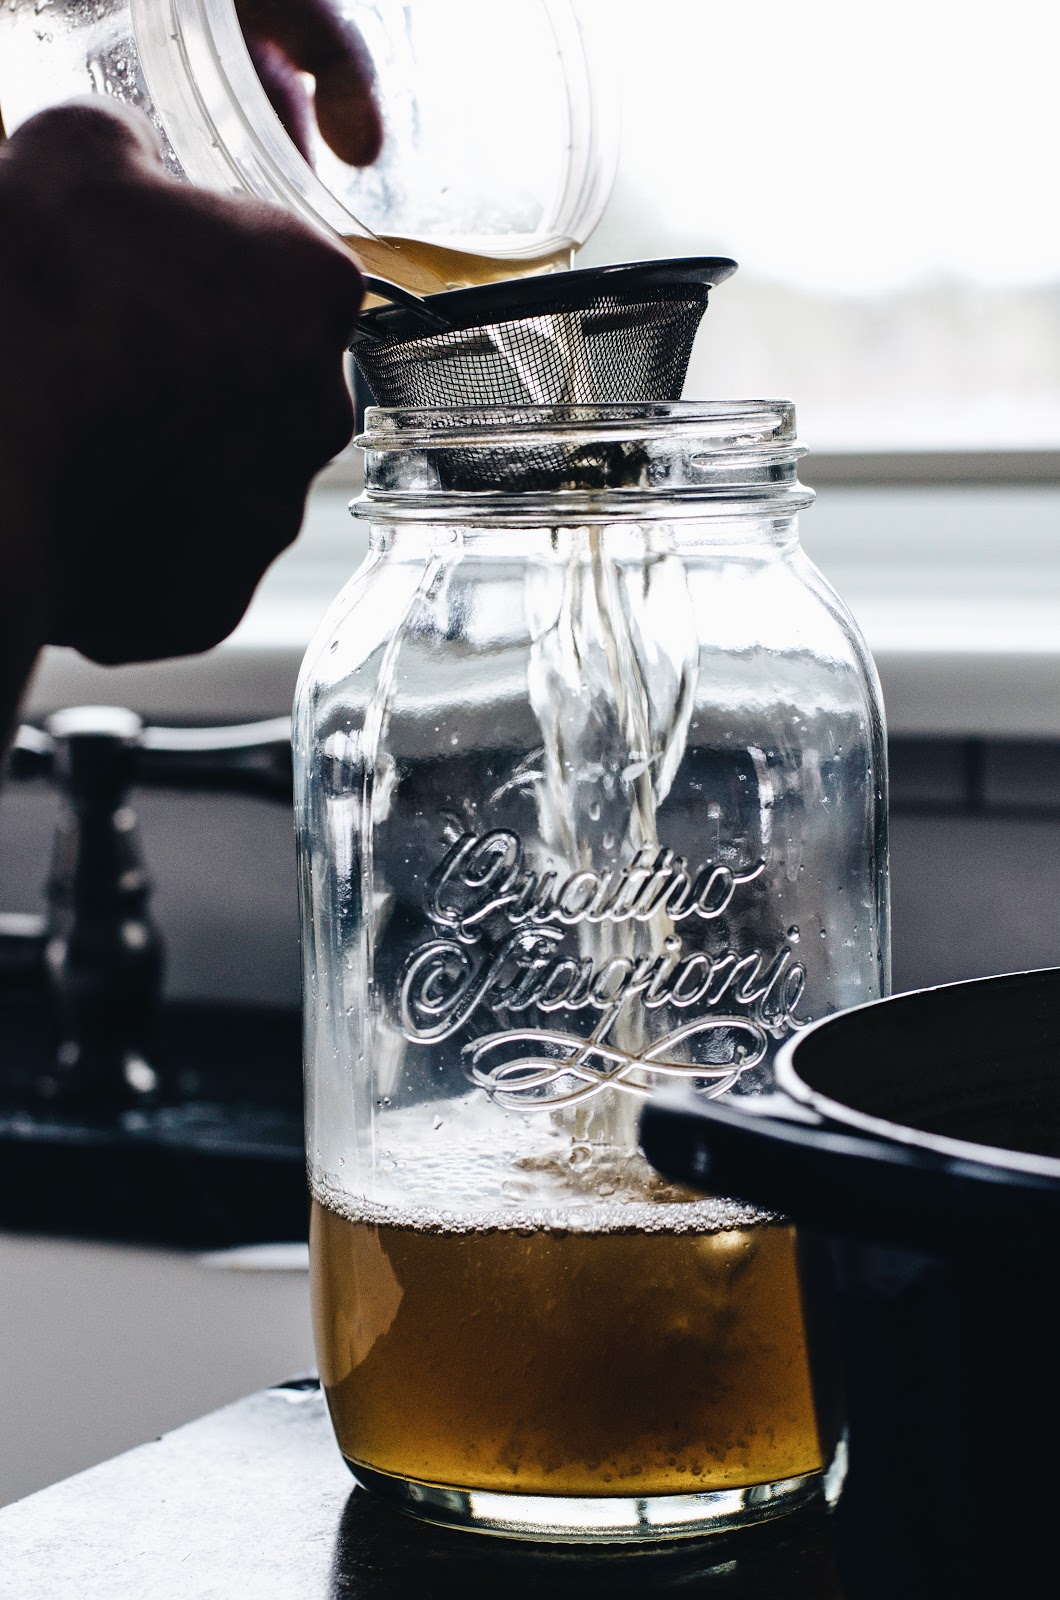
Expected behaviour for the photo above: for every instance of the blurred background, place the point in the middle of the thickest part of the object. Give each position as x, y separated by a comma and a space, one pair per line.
886, 178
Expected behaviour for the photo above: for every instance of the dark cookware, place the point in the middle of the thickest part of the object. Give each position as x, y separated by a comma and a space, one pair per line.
916, 1142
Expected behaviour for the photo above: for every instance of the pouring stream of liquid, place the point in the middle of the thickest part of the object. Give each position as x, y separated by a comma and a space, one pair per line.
612, 675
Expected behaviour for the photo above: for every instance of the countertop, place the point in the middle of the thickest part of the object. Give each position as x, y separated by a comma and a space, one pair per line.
254, 1503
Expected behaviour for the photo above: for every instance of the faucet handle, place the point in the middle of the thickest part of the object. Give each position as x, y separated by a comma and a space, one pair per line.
31, 753
250, 758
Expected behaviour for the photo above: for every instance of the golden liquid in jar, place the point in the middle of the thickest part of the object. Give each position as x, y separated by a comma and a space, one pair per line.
623, 1361
431, 268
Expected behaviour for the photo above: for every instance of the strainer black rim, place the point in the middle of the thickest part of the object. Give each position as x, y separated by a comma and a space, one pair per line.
551, 293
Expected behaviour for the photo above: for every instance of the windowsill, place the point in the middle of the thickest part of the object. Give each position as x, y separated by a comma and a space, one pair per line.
957, 588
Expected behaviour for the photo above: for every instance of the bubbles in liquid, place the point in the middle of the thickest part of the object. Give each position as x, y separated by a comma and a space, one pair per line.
513, 1211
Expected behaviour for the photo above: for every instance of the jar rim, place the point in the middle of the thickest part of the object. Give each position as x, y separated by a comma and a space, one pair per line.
585, 457
739, 426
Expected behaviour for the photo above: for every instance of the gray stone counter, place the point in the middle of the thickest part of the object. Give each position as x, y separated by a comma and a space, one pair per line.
254, 1503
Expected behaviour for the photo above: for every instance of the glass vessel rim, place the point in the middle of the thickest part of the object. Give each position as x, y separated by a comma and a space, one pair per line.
742, 424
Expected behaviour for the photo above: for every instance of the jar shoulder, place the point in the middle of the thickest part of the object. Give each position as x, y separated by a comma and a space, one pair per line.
364, 613
840, 622
453, 615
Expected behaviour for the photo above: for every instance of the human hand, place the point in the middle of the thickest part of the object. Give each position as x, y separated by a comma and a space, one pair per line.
170, 380
287, 38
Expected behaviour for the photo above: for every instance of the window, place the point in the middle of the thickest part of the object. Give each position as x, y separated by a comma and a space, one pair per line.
886, 177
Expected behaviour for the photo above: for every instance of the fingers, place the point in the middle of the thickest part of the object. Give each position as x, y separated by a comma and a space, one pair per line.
347, 116
316, 39
89, 138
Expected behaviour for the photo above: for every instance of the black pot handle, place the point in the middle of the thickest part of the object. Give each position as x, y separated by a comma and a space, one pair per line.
848, 1183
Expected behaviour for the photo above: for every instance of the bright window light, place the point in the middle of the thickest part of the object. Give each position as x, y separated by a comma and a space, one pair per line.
886, 175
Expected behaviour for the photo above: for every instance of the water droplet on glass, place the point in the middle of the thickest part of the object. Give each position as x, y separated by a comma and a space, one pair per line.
594, 810
793, 933
608, 841
383, 1102
581, 1156
334, 646
437, 1123
824, 933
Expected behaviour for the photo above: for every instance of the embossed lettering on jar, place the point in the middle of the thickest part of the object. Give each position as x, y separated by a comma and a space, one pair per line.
591, 801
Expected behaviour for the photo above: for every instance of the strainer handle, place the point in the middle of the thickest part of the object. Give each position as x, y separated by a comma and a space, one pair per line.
400, 297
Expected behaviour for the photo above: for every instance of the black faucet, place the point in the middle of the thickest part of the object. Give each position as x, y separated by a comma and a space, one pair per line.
96, 958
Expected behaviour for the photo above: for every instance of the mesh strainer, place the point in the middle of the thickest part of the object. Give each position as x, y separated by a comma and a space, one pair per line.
599, 336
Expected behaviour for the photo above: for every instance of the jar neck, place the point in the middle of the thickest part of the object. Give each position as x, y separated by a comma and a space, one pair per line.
564, 464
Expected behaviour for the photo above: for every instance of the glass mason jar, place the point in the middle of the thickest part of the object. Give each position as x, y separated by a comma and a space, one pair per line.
591, 801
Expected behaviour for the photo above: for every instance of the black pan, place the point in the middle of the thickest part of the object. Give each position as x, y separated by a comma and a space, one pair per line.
916, 1142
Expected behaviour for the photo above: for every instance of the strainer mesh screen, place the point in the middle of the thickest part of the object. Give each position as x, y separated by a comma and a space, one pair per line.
608, 350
